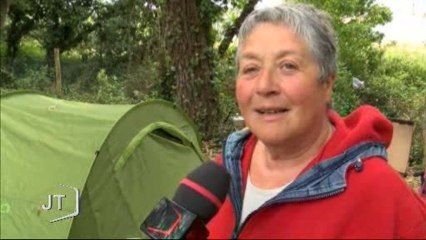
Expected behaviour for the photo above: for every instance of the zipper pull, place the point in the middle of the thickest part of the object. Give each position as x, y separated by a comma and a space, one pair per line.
358, 165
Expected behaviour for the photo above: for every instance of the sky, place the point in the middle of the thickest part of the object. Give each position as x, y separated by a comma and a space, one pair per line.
408, 25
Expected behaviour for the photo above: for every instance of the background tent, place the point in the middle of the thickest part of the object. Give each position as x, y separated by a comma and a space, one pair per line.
122, 158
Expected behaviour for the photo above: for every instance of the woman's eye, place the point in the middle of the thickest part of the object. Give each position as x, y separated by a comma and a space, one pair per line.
249, 70
289, 66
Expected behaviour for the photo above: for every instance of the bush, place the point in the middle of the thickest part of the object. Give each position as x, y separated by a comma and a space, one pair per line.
35, 79
105, 90
6, 78
142, 82
398, 89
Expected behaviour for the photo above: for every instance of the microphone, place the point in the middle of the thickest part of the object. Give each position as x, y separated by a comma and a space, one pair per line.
197, 199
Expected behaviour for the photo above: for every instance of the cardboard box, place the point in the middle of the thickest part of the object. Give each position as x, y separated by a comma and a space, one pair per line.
399, 149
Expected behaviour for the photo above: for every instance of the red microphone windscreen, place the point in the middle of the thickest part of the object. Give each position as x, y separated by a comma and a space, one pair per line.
204, 190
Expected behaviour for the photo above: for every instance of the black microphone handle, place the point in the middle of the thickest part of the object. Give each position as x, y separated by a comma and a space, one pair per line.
168, 220
197, 199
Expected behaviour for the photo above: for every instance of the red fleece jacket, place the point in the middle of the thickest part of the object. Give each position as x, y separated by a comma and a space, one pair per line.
377, 202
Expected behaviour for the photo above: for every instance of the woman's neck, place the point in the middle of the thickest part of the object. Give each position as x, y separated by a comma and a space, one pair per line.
294, 153
273, 166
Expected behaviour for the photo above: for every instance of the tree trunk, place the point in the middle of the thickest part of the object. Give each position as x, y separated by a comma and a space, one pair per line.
58, 77
191, 59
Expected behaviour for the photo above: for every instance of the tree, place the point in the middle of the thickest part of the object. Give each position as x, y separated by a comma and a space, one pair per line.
189, 56
127, 31
24, 16
65, 24
191, 59
55, 24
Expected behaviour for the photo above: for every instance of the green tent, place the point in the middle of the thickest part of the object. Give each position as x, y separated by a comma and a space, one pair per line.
118, 160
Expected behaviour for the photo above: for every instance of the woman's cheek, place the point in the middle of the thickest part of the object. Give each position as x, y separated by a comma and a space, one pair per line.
298, 93
242, 91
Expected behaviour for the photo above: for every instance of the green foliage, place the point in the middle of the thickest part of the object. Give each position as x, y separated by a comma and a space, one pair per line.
36, 79
224, 82
3, 46
28, 66
400, 82
111, 53
142, 82
105, 90
398, 89
354, 22
345, 98
127, 34
31, 49
6, 79
61, 24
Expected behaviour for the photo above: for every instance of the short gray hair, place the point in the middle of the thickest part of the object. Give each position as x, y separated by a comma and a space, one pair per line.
311, 24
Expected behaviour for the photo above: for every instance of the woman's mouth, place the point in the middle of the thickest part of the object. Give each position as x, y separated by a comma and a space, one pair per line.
271, 111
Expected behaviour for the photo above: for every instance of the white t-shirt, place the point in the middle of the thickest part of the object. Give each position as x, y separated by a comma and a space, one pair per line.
254, 197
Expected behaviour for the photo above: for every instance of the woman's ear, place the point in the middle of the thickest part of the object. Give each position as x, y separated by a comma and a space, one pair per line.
328, 85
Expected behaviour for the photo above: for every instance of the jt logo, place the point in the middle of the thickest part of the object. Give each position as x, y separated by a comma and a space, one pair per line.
59, 197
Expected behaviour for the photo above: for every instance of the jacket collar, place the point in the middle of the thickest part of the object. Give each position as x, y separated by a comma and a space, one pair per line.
326, 178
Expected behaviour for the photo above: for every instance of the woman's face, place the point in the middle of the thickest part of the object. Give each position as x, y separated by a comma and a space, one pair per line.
277, 87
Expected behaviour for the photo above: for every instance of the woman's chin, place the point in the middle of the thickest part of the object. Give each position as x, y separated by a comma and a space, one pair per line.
271, 138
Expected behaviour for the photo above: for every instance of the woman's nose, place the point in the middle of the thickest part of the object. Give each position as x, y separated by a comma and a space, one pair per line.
266, 83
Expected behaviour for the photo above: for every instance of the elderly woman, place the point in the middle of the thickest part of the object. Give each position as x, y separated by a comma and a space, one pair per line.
300, 170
